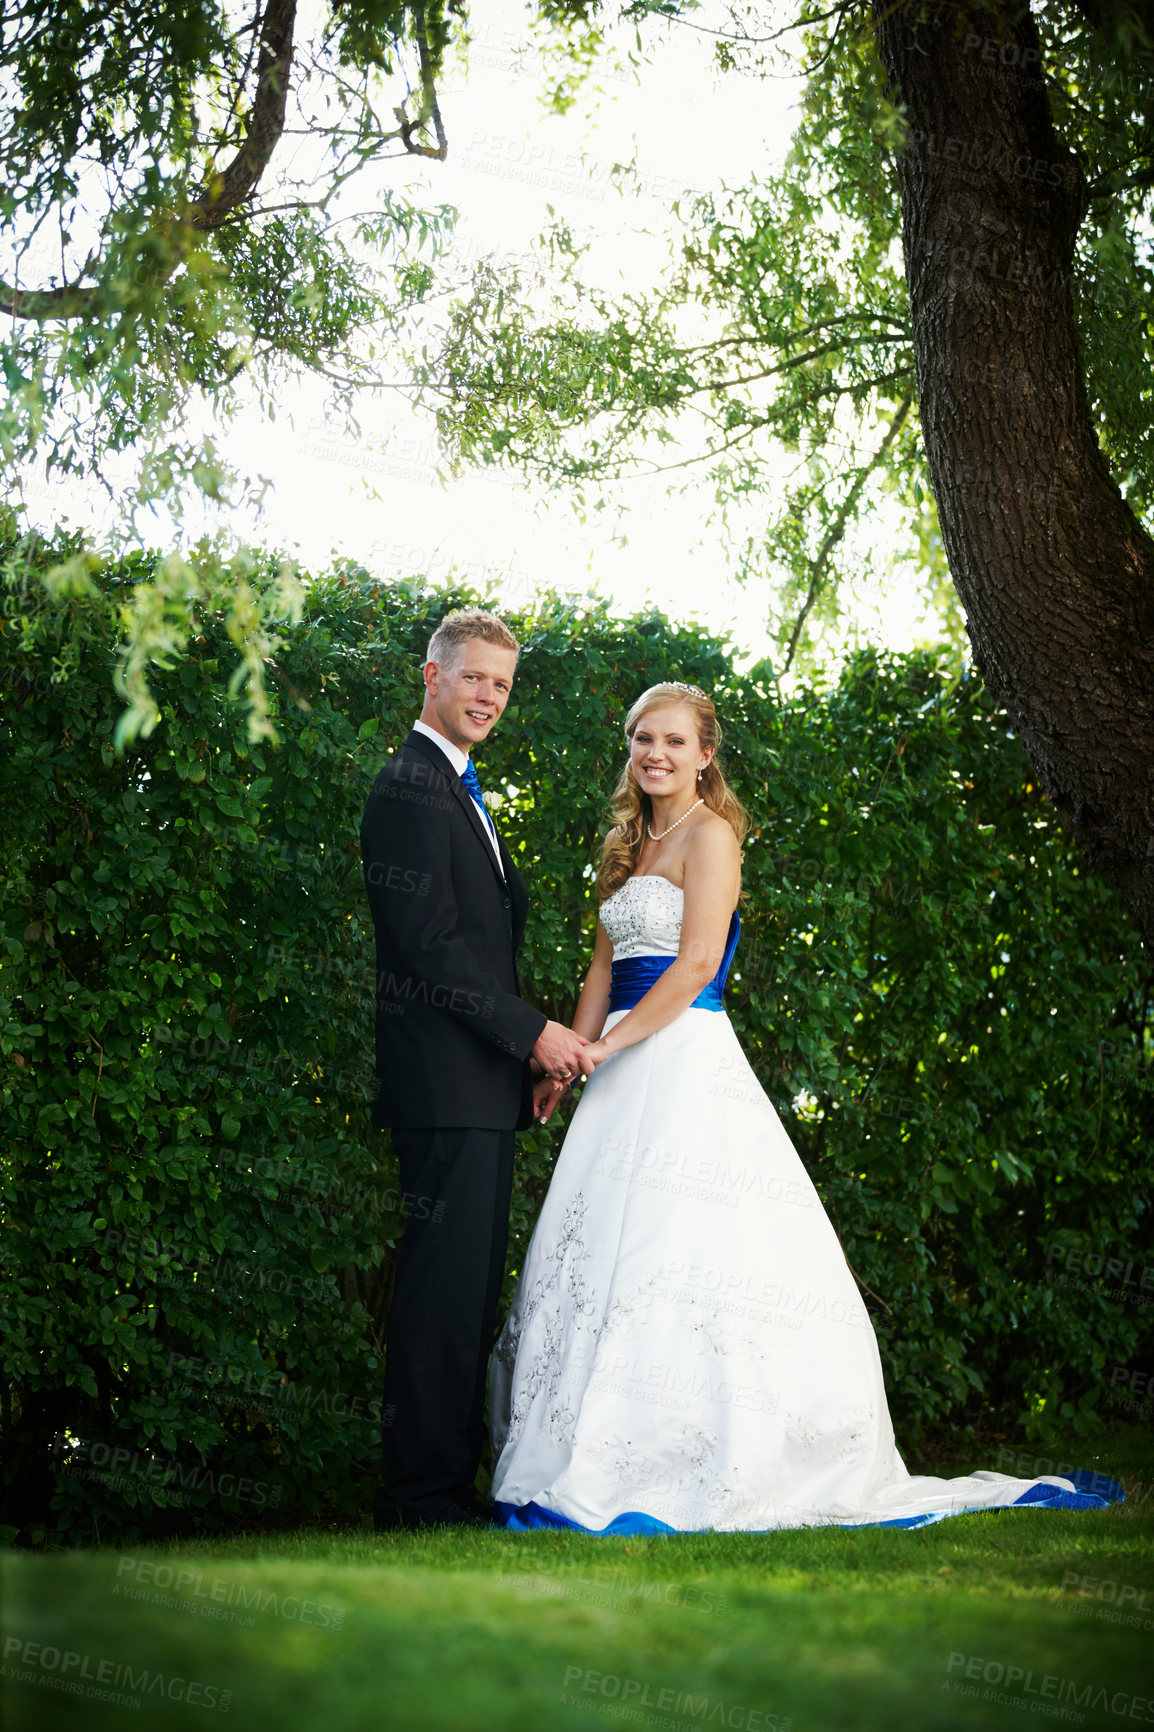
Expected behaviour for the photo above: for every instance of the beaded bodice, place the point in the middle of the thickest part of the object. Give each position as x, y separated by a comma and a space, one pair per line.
643, 918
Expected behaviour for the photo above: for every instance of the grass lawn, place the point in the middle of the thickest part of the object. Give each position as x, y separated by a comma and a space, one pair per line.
1003, 1620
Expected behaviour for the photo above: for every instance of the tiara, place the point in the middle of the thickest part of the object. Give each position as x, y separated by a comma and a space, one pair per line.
681, 686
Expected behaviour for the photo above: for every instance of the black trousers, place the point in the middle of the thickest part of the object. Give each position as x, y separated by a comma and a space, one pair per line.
450, 1262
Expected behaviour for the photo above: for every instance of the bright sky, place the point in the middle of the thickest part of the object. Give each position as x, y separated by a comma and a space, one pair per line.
379, 499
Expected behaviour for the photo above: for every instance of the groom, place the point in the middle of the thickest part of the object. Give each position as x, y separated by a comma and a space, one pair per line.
457, 1051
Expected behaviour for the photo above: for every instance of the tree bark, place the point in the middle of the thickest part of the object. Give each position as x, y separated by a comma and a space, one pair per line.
1054, 570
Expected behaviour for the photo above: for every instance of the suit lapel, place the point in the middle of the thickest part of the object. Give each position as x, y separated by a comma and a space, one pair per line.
421, 743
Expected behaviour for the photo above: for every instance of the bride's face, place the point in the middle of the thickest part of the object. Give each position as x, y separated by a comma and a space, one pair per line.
666, 753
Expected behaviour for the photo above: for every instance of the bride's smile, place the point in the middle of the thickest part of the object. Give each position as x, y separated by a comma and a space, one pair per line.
666, 758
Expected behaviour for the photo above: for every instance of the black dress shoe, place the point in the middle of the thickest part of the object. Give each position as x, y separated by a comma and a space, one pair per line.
484, 1515
389, 1515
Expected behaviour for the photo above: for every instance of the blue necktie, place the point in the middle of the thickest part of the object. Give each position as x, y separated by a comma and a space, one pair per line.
469, 778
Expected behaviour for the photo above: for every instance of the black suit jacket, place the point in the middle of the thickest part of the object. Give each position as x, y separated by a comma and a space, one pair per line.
453, 1033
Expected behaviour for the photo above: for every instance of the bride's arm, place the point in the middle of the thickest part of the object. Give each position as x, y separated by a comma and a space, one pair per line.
588, 1018
712, 877
593, 1005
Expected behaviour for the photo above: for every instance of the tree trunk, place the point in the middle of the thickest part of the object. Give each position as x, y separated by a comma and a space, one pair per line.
1053, 569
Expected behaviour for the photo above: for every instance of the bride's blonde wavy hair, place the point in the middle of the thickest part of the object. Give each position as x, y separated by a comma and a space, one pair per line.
632, 808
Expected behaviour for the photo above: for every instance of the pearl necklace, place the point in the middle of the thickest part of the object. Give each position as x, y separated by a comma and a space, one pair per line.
675, 823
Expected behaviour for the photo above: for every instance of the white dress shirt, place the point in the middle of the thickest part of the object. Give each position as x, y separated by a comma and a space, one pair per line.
459, 761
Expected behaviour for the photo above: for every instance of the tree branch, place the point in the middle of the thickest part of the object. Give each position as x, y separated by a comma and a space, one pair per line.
836, 345
68, 301
1111, 185
758, 338
430, 108
266, 122
745, 40
227, 190
837, 527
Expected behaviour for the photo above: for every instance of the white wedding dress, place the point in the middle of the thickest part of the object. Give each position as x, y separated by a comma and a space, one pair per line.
687, 1348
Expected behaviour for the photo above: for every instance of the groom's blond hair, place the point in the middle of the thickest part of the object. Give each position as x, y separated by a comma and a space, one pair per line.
463, 624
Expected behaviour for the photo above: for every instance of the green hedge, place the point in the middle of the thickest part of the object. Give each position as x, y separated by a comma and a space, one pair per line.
198, 1220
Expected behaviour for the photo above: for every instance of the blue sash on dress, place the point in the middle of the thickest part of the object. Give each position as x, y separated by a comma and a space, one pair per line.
634, 975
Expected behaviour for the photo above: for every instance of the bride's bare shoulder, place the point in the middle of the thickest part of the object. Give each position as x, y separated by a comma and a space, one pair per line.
712, 851
713, 834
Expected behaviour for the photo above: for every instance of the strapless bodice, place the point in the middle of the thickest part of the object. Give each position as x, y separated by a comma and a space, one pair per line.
643, 918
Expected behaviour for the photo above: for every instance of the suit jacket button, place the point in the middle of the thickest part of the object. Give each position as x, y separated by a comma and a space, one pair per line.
506, 902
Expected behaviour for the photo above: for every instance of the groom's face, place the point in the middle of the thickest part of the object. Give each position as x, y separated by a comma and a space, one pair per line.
464, 697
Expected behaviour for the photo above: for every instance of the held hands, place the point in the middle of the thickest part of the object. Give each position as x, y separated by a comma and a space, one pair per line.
547, 1098
549, 1091
561, 1053
555, 1058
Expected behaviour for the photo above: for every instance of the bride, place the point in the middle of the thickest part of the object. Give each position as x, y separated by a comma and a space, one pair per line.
686, 1348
